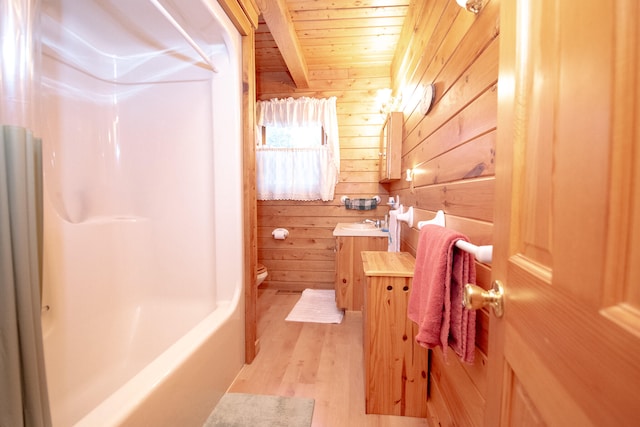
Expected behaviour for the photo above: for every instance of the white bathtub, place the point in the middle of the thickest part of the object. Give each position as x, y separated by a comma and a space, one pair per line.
143, 263
182, 385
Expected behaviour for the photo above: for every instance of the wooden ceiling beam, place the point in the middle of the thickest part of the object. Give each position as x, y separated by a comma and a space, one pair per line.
276, 15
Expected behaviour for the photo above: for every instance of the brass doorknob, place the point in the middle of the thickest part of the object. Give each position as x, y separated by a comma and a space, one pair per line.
475, 297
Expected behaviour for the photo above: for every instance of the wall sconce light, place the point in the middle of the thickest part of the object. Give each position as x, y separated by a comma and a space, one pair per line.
409, 177
472, 6
387, 102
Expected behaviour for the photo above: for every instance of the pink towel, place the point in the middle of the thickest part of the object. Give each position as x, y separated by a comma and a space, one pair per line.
435, 303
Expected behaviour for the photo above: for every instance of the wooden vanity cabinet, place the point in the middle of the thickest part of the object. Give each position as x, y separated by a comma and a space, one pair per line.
349, 282
396, 367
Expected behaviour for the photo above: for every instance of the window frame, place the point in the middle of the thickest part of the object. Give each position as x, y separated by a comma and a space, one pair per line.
264, 144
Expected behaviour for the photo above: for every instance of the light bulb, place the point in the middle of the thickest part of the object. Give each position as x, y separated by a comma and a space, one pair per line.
472, 6
409, 175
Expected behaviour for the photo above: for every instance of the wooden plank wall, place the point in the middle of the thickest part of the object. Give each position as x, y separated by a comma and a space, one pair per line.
451, 150
306, 259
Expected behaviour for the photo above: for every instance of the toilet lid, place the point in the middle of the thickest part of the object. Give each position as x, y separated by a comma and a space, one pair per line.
261, 268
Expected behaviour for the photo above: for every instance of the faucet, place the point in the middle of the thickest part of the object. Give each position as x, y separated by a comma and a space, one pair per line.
371, 221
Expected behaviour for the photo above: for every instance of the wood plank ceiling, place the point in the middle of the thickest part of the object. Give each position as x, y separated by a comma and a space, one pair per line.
302, 36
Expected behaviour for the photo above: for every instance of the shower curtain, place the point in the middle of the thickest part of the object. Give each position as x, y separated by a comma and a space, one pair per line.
23, 392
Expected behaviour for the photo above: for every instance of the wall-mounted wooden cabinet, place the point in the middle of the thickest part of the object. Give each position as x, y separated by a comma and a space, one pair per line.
391, 147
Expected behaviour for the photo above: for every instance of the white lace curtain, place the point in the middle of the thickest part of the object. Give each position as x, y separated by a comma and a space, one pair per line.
298, 173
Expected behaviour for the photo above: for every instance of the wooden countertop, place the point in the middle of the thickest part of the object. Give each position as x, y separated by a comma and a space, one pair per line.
393, 264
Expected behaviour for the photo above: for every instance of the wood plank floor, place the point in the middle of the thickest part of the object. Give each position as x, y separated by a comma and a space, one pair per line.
319, 361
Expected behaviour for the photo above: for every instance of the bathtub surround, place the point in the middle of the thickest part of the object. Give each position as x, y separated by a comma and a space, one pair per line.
23, 391
241, 410
143, 263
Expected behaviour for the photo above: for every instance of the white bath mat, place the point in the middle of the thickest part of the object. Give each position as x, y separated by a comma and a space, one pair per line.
316, 306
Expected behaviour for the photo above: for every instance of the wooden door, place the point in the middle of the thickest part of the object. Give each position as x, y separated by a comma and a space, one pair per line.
567, 222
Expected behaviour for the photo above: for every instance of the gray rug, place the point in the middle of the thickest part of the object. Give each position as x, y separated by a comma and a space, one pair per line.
244, 410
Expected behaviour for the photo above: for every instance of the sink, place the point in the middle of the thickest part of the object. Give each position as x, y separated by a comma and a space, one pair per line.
359, 226
358, 229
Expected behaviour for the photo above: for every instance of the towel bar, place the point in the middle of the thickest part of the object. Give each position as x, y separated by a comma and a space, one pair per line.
437, 220
344, 199
481, 253
406, 216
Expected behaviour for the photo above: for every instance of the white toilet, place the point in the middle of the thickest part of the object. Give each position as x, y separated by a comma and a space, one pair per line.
262, 274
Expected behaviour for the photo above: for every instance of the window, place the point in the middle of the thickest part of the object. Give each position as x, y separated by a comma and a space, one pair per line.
297, 154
